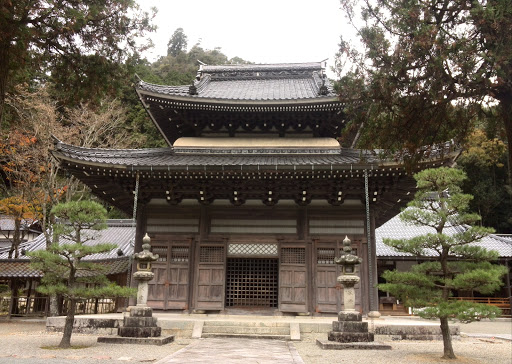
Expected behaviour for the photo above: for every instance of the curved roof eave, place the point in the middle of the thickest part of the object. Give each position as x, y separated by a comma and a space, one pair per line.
204, 100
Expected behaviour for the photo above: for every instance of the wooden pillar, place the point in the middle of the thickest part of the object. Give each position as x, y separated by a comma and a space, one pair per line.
372, 259
140, 231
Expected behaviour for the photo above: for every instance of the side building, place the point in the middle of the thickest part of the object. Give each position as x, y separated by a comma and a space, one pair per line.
249, 203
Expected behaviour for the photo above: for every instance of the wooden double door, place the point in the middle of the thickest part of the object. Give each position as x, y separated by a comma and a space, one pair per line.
222, 279
295, 279
170, 288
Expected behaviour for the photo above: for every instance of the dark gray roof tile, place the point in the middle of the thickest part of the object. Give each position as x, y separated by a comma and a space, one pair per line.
162, 157
268, 82
395, 228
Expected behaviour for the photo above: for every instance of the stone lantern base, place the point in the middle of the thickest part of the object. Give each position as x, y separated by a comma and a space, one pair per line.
350, 328
139, 327
140, 323
349, 332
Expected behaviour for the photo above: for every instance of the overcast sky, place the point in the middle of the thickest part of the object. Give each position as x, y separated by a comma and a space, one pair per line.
260, 31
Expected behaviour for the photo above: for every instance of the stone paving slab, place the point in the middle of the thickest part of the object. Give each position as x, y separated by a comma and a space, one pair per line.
231, 351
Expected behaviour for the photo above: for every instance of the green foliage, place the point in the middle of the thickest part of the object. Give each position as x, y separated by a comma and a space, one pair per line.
81, 45
65, 271
427, 66
4, 288
451, 263
177, 43
484, 160
463, 311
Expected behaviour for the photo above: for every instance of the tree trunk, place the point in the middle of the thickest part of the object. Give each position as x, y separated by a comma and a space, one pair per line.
506, 116
68, 326
447, 339
4, 74
54, 306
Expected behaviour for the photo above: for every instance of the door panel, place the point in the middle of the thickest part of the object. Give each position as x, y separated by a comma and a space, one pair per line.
210, 278
328, 292
169, 289
293, 280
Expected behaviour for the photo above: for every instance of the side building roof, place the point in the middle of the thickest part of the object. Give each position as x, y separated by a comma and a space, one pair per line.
395, 228
119, 232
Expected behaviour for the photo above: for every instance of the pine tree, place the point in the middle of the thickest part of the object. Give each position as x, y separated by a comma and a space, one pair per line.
66, 272
451, 261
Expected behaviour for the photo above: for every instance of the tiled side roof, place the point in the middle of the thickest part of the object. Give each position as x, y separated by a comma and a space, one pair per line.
7, 223
17, 268
119, 232
22, 268
395, 228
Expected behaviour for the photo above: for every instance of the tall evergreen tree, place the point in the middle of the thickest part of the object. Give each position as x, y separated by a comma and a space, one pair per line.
451, 261
177, 43
66, 272
426, 66
79, 42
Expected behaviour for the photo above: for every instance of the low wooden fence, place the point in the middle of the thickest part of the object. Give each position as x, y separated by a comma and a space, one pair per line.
39, 306
502, 303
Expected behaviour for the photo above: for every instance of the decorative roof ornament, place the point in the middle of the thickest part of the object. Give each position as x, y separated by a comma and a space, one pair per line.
323, 90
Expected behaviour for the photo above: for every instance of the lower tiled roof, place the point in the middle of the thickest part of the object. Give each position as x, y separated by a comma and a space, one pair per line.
166, 157
16, 268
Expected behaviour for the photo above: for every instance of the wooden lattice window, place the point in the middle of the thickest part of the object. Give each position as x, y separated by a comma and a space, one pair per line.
161, 250
325, 255
293, 255
179, 254
252, 249
211, 254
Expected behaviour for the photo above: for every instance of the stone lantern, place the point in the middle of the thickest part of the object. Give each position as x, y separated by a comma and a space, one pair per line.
349, 275
144, 273
349, 328
349, 332
139, 325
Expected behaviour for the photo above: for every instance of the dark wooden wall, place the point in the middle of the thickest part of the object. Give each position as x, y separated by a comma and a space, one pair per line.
194, 243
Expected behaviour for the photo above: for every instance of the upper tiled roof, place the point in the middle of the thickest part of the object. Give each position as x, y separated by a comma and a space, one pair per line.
395, 228
252, 82
288, 67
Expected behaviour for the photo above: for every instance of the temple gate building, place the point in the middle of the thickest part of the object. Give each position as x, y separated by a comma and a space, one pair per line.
251, 200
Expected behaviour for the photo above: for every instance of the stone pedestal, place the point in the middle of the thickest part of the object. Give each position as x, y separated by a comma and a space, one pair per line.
139, 323
139, 327
349, 328
350, 333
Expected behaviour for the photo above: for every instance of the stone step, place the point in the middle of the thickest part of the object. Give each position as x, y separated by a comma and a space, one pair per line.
246, 336
252, 330
247, 323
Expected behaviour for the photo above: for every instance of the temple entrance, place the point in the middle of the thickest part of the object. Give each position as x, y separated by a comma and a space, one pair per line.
252, 282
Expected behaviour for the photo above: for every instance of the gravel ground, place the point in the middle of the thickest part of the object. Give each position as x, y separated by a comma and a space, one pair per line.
467, 350
22, 342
